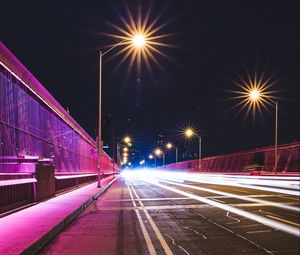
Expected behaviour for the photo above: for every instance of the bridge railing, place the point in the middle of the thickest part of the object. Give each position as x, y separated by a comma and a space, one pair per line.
260, 159
35, 128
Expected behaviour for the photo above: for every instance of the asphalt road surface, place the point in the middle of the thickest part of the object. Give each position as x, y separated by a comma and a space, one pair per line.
147, 214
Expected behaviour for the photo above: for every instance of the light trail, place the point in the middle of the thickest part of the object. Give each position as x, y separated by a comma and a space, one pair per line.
157, 178
231, 195
263, 220
285, 186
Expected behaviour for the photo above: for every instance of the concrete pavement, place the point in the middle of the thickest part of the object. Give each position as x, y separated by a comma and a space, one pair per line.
26, 231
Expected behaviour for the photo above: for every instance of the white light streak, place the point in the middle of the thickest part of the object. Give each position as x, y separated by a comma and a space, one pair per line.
263, 220
226, 194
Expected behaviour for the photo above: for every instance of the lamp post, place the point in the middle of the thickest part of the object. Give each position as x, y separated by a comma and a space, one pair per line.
137, 41
256, 96
159, 152
189, 133
151, 157
170, 146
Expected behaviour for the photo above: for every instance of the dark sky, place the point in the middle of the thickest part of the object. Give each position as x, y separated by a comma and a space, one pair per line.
58, 41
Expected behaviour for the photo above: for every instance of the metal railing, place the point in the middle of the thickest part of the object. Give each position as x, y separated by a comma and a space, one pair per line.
260, 159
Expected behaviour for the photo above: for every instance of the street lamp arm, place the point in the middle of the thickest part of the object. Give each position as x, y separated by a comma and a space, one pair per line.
114, 46
273, 101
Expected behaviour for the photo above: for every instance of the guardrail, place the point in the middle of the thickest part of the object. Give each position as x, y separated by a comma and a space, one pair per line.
43, 150
260, 159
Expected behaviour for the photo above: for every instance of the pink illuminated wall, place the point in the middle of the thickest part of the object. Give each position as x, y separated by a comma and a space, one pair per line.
34, 125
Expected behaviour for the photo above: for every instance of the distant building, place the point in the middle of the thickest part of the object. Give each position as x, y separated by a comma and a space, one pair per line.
160, 140
106, 121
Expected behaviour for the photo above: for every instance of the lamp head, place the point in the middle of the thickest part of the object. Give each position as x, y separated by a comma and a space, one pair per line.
189, 132
139, 40
169, 145
127, 139
254, 94
158, 152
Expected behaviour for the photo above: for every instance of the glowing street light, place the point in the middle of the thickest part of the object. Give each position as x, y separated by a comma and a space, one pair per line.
256, 96
127, 139
255, 93
135, 44
158, 152
152, 157
170, 146
189, 132
125, 149
139, 40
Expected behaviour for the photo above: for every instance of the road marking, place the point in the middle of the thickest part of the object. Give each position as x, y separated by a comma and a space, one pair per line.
175, 244
236, 219
153, 225
274, 214
240, 191
142, 225
234, 233
291, 198
283, 220
246, 226
259, 231
195, 231
220, 201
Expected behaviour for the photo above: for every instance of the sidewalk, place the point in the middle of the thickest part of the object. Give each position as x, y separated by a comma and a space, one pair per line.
26, 231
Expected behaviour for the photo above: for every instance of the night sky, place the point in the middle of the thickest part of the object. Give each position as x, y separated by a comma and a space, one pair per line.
215, 42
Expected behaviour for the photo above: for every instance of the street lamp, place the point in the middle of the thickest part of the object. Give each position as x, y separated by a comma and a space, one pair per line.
127, 139
152, 157
139, 40
256, 96
136, 42
190, 133
159, 152
170, 146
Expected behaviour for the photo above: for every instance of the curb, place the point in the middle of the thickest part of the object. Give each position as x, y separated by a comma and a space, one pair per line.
41, 242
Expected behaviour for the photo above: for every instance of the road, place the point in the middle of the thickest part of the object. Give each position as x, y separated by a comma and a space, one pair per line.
146, 213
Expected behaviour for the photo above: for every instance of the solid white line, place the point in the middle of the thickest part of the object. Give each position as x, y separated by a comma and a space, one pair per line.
144, 230
259, 231
153, 225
